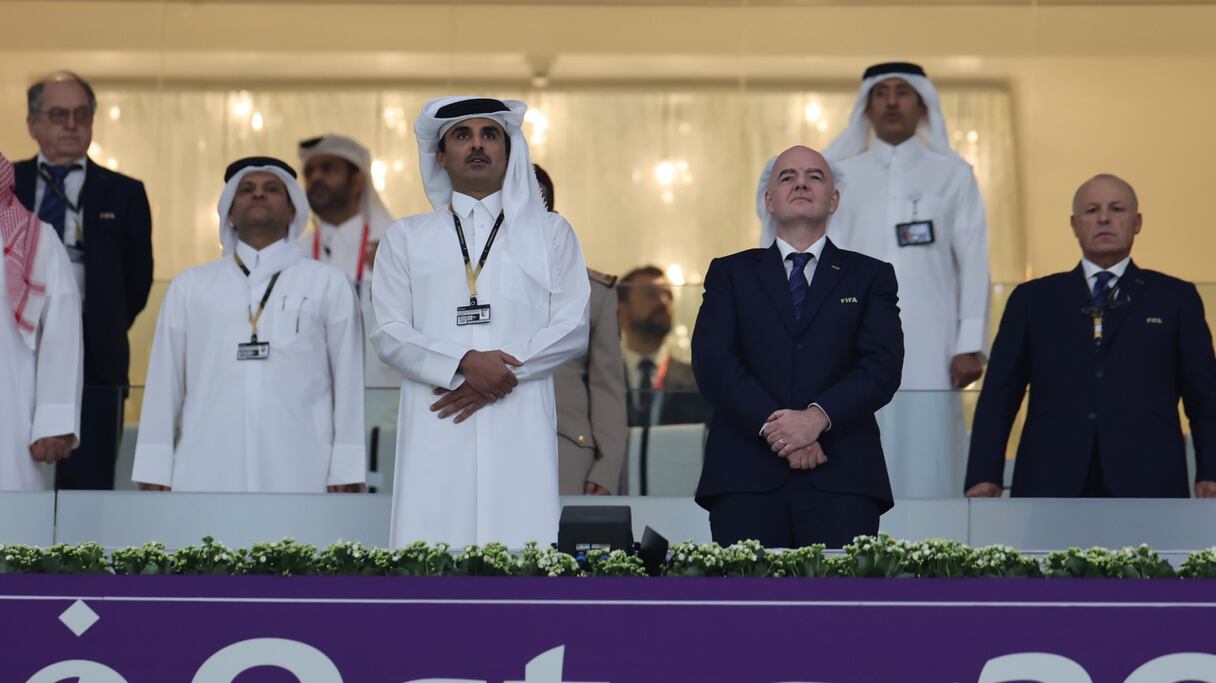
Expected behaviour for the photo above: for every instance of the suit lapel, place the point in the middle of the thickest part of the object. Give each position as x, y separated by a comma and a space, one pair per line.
827, 273
91, 196
1129, 289
26, 182
771, 272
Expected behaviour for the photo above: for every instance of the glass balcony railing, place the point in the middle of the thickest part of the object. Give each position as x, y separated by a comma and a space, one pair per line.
667, 429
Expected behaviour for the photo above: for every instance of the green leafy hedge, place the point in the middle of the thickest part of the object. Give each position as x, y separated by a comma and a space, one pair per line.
868, 556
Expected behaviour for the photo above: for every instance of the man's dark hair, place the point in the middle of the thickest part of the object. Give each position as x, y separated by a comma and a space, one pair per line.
33, 96
626, 283
542, 177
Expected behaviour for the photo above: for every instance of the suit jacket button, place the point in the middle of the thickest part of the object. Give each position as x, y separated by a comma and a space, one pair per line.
582, 439
1098, 374
798, 346
1093, 416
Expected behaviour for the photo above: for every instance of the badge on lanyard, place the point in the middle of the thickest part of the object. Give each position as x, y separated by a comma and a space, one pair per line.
474, 313
254, 349
915, 232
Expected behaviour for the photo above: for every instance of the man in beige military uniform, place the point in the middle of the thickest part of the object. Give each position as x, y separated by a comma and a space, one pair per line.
590, 390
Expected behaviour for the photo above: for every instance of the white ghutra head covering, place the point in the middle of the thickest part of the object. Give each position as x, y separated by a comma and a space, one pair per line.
373, 209
932, 129
525, 225
233, 175
856, 137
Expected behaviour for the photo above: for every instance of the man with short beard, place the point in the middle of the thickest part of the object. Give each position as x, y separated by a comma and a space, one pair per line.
349, 221
255, 382
478, 303
662, 389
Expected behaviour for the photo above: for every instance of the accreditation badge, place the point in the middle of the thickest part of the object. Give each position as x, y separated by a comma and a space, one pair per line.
914, 233
253, 350
473, 314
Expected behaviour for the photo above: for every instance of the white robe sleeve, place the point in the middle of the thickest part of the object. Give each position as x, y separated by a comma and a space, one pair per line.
59, 374
344, 344
970, 242
565, 336
399, 344
164, 392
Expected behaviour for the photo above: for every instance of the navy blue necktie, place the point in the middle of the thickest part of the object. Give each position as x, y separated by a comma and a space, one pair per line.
54, 198
646, 368
798, 285
1102, 288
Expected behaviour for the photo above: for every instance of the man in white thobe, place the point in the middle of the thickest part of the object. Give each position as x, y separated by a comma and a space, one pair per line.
908, 199
349, 220
478, 303
255, 382
41, 349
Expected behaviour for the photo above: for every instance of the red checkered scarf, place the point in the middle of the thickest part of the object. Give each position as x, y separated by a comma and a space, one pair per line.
20, 231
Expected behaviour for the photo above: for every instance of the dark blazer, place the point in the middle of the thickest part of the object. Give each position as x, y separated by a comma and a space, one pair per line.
751, 357
680, 402
1121, 395
118, 263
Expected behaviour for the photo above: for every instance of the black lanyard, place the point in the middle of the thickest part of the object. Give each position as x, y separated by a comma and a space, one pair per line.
485, 253
253, 318
50, 184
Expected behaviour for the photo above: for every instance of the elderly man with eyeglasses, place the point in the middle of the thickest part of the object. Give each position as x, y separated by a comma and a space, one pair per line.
105, 222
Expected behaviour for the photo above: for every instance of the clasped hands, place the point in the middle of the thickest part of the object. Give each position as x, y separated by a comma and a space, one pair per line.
487, 378
794, 435
52, 448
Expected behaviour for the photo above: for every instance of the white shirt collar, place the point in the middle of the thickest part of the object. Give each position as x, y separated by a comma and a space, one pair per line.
252, 257
1092, 269
888, 153
83, 161
632, 358
354, 223
464, 205
816, 248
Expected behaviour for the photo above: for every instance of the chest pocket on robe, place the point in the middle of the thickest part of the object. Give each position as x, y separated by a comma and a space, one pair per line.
515, 285
297, 319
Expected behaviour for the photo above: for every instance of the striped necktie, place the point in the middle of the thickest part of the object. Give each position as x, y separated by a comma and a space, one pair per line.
798, 285
1102, 288
54, 198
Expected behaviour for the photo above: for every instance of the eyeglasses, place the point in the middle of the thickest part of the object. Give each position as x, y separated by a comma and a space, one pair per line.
59, 115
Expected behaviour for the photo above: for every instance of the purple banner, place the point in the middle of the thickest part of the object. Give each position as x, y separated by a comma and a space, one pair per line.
182, 629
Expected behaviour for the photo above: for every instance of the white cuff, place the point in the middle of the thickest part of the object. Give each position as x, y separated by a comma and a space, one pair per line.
55, 419
970, 336
825, 414
347, 466
153, 464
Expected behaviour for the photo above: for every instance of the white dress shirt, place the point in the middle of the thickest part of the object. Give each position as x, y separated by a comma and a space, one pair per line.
815, 250
73, 221
1092, 269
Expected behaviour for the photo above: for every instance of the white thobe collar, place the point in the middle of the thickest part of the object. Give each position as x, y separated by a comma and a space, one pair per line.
898, 155
350, 225
254, 257
489, 207
1092, 269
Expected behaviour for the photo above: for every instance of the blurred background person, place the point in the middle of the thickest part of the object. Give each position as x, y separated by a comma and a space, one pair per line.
662, 389
590, 390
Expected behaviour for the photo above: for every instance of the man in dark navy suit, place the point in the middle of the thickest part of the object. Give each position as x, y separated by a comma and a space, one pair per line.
105, 222
796, 346
1107, 349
